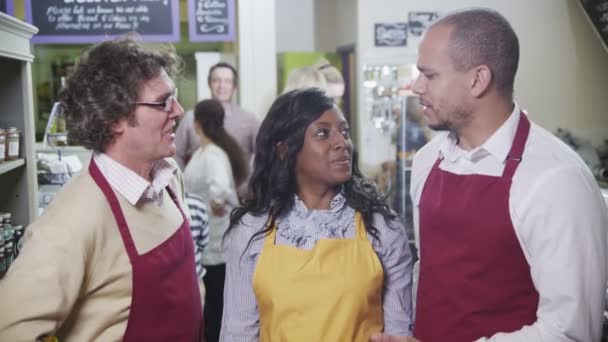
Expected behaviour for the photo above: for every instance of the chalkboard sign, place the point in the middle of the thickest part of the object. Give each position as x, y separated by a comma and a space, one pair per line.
7, 6
211, 20
393, 34
597, 11
90, 21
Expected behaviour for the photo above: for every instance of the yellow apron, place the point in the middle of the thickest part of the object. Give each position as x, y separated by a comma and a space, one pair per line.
331, 293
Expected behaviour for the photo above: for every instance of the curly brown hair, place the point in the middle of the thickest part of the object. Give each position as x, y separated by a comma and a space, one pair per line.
104, 87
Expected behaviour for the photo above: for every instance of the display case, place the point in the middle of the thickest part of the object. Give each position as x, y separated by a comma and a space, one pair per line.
18, 194
393, 111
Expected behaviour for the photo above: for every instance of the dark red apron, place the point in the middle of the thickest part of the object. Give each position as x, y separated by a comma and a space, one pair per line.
165, 300
474, 278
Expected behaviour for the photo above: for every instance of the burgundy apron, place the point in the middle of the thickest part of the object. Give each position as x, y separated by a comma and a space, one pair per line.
474, 278
165, 300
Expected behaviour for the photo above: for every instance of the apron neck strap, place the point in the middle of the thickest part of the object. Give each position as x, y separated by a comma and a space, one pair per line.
517, 149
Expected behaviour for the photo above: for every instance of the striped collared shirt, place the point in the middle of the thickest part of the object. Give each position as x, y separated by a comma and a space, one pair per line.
199, 226
132, 186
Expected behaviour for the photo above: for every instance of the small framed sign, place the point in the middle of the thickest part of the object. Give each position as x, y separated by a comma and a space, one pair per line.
420, 21
211, 20
390, 34
77, 22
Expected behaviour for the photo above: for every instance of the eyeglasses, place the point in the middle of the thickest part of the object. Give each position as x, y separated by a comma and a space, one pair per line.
166, 105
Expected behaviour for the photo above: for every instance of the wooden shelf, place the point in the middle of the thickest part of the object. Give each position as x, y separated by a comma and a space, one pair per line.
11, 165
18, 179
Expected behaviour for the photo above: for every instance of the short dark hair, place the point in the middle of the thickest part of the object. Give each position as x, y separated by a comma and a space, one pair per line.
273, 181
209, 114
223, 65
483, 36
104, 87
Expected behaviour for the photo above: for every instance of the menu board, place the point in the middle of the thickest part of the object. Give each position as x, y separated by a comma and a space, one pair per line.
90, 21
7, 6
211, 20
597, 11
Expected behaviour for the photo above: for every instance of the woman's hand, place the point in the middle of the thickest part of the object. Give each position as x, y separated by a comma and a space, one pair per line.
218, 209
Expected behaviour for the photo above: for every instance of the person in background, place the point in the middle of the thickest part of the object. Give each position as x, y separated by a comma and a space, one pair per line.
334, 79
199, 225
111, 258
513, 229
242, 125
315, 255
216, 169
305, 77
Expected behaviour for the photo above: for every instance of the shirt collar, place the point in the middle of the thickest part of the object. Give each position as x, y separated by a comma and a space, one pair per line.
336, 204
498, 145
132, 186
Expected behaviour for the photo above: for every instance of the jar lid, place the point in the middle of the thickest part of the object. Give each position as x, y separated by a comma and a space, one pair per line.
12, 130
18, 227
5, 215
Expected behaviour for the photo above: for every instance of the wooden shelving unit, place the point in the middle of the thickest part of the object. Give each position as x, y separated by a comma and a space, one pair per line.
18, 184
11, 165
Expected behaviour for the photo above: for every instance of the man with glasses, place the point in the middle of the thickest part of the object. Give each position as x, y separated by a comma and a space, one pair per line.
240, 124
112, 257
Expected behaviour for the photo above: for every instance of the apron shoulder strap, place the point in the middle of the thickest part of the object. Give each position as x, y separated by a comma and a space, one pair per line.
517, 149
360, 226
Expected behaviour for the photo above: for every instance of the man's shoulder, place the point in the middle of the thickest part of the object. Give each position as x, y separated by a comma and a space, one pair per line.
246, 115
543, 147
79, 201
429, 152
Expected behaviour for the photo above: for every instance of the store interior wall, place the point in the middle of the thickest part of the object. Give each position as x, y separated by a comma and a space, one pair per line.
257, 54
295, 31
335, 24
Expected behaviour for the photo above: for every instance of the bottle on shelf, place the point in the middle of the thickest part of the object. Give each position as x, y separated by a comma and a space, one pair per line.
56, 133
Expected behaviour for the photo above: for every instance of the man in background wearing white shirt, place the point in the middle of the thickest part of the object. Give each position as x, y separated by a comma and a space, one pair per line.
513, 238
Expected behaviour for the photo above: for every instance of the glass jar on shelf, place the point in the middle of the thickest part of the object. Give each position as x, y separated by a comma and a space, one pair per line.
2, 145
3, 267
12, 143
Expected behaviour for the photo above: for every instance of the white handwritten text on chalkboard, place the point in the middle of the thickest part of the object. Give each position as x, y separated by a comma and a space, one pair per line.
93, 18
212, 16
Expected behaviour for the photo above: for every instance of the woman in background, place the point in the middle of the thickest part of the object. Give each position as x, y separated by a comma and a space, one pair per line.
216, 169
314, 255
305, 77
333, 78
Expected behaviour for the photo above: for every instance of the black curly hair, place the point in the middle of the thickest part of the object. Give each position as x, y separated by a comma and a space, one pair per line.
105, 84
273, 181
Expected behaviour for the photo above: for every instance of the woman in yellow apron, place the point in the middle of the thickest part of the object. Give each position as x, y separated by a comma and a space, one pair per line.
314, 254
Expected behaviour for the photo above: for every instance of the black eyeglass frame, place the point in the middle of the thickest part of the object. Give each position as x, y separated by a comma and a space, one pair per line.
166, 105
